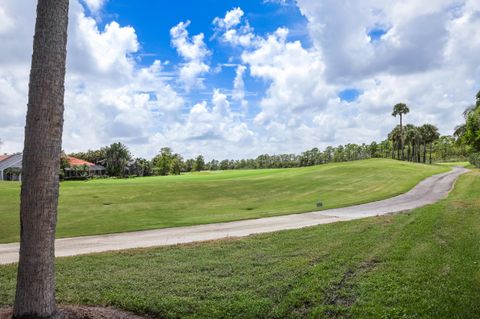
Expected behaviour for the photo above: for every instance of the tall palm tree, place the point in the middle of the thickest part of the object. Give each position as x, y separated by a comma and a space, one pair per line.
410, 139
423, 130
35, 293
401, 109
431, 135
418, 143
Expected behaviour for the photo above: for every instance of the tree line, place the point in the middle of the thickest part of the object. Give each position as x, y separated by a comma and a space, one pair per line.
421, 144
467, 134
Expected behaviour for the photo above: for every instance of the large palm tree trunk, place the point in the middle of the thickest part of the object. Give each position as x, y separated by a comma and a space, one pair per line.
35, 294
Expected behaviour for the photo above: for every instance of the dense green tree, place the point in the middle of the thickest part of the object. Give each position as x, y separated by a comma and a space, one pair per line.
328, 154
199, 163
467, 134
224, 165
189, 164
117, 158
213, 165
385, 148
176, 165
446, 149
472, 129
311, 157
168, 163
141, 167
163, 161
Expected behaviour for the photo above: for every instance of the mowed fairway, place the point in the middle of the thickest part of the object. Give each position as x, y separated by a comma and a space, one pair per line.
421, 264
119, 205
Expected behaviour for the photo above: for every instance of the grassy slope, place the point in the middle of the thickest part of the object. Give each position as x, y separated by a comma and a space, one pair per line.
422, 264
452, 164
107, 206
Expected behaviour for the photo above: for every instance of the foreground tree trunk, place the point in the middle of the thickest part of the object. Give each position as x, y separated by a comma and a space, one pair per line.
35, 294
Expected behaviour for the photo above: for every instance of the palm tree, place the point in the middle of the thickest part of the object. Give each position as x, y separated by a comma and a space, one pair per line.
35, 293
419, 137
401, 109
430, 135
395, 136
409, 139
424, 133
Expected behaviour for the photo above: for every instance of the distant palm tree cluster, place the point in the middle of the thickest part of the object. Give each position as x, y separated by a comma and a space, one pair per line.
410, 142
414, 138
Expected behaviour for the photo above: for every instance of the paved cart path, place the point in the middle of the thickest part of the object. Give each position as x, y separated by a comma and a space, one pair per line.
426, 192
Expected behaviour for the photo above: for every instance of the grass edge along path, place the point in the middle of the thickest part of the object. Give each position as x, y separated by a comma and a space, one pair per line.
113, 206
420, 264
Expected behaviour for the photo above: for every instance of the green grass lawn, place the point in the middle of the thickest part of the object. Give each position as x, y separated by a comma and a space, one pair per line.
452, 164
113, 205
421, 264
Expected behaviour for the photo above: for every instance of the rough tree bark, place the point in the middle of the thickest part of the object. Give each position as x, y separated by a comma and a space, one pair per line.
35, 294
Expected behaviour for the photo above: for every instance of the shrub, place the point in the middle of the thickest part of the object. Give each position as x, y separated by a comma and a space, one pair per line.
475, 159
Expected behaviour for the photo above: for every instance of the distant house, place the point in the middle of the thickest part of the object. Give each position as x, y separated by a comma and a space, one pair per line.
11, 168
80, 168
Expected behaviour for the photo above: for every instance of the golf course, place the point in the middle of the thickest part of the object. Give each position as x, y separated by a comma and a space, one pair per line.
270, 159
103, 206
419, 264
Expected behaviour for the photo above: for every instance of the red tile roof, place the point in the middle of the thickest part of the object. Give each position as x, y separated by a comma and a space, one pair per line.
4, 157
78, 162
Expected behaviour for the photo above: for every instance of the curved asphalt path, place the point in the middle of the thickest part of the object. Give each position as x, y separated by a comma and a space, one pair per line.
426, 192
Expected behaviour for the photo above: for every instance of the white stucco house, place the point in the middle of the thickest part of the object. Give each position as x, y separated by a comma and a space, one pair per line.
10, 167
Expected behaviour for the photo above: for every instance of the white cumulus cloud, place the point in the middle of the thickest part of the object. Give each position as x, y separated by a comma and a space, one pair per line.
194, 51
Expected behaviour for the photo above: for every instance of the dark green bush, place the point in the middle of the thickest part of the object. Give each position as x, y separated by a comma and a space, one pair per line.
475, 159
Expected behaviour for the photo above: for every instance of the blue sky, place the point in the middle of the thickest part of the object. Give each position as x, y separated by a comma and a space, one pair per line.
153, 20
235, 79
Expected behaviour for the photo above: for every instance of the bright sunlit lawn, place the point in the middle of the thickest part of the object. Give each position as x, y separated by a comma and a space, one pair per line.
119, 205
421, 264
